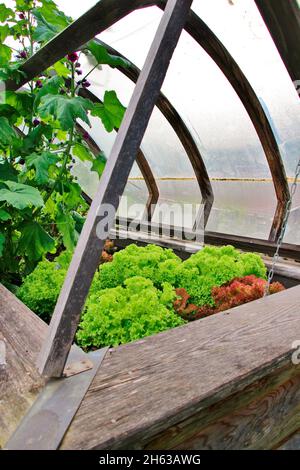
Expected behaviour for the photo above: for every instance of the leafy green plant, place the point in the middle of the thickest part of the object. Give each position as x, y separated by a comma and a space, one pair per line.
214, 266
123, 314
232, 294
136, 261
41, 288
40, 199
209, 267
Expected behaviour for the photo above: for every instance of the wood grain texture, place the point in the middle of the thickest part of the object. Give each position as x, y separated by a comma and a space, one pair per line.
145, 388
259, 425
23, 333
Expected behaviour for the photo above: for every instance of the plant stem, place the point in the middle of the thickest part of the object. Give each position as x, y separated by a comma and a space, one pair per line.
87, 75
69, 146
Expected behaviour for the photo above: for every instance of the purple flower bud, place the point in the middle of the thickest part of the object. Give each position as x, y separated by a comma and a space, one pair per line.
79, 72
36, 122
86, 84
21, 16
73, 57
39, 84
23, 55
85, 135
77, 65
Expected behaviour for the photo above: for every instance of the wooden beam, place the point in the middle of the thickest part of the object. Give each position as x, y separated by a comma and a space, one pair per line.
87, 253
100, 17
232, 370
182, 132
282, 19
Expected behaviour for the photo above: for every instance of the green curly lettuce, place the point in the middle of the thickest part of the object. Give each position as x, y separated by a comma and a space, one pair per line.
120, 315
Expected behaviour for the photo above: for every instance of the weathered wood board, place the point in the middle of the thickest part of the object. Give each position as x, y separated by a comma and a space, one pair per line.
22, 333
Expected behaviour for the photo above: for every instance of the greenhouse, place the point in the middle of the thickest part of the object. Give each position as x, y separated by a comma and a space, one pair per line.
149, 225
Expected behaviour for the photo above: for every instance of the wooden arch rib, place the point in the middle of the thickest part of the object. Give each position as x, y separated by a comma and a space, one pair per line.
107, 12
173, 117
153, 193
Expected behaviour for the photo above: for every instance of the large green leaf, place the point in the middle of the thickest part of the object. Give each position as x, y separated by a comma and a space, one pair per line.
61, 69
111, 112
53, 15
4, 216
7, 134
20, 195
11, 71
99, 164
4, 32
82, 152
50, 21
44, 31
50, 88
103, 57
8, 111
41, 162
66, 110
2, 243
7, 171
22, 101
5, 54
5, 13
35, 241
66, 227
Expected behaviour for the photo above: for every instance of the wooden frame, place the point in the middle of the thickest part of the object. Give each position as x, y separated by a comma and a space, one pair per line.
107, 12
283, 21
180, 128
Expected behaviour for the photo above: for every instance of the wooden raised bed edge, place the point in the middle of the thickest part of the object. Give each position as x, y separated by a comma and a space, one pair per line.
225, 382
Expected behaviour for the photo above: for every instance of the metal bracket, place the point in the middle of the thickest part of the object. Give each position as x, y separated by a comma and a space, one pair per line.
47, 421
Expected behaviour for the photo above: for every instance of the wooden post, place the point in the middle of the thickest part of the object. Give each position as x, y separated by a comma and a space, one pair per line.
71, 301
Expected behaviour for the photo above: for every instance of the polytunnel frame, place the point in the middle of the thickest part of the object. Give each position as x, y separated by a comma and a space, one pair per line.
70, 303
180, 128
107, 12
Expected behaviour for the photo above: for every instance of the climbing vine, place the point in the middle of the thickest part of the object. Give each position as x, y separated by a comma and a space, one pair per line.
41, 205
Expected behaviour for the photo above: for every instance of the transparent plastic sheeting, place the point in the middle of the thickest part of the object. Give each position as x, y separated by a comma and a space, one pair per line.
245, 199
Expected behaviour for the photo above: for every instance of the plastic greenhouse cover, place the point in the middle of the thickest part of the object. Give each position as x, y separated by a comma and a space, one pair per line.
214, 114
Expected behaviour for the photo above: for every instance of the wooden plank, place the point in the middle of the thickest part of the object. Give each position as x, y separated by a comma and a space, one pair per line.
23, 334
282, 18
100, 17
257, 426
85, 260
293, 443
147, 387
